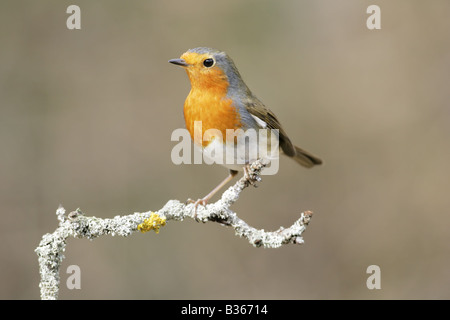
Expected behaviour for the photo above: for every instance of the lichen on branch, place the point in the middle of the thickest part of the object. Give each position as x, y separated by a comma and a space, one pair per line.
77, 225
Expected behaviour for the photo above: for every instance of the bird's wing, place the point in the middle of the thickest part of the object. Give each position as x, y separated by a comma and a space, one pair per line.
259, 111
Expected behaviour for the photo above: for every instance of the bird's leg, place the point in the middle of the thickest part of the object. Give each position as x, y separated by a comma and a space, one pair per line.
203, 201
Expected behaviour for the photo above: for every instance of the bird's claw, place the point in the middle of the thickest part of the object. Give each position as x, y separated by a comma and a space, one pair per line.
202, 202
251, 179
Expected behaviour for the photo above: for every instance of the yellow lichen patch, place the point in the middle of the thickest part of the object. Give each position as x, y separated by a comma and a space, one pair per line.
153, 223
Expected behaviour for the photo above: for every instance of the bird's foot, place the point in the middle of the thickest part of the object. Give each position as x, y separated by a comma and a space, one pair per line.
202, 202
251, 178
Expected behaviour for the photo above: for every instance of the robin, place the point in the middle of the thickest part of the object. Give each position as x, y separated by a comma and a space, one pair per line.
220, 101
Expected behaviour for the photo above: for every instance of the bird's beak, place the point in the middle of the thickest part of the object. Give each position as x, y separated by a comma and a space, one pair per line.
179, 62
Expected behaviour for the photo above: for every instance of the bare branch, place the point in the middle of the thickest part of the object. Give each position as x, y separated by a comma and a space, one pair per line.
52, 246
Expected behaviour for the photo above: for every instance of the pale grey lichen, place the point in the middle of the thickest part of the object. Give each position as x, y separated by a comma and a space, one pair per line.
76, 225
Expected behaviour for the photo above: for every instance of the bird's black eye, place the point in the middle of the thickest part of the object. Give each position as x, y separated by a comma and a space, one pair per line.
208, 62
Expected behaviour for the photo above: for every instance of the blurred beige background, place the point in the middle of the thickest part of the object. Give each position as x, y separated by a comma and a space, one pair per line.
86, 118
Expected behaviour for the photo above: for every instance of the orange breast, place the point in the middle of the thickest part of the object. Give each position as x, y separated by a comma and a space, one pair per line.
213, 110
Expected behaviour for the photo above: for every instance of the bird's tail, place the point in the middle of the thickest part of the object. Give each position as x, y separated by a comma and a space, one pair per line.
305, 158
